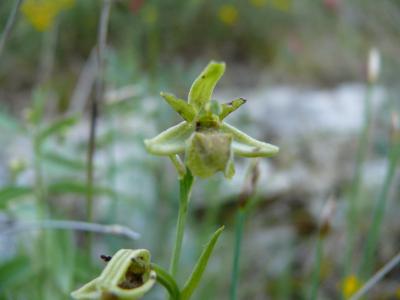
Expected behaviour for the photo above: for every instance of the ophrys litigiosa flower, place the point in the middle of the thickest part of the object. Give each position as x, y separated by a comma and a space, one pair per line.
207, 141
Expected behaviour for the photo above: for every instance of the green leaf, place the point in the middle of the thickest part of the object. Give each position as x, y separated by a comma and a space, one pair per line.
13, 272
198, 270
9, 193
36, 112
63, 161
202, 88
184, 109
77, 187
56, 127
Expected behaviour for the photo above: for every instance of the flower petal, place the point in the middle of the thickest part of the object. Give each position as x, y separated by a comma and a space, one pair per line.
227, 108
246, 146
170, 141
183, 108
203, 87
208, 153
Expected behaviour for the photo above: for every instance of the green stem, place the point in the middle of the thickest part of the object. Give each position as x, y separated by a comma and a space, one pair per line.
185, 184
247, 201
373, 235
39, 186
167, 281
317, 271
40, 196
239, 226
352, 220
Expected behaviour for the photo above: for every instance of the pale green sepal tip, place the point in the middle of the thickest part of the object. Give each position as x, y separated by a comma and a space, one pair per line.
202, 88
261, 150
228, 108
246, 146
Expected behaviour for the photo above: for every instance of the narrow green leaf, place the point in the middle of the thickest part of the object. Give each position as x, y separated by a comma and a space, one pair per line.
9, 193
184, 109
202, 88
198, 270
36, 112
63, 161
77, 187
56, 127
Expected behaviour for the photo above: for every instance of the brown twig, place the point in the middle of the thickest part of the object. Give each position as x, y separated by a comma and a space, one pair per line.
96, 102
94, 110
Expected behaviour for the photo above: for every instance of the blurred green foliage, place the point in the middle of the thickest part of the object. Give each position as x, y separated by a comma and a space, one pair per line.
156, 44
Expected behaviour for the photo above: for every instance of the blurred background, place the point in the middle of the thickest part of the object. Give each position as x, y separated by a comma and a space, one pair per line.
322, 82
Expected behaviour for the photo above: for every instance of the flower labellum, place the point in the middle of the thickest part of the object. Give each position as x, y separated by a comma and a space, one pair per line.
127, 276
207, 142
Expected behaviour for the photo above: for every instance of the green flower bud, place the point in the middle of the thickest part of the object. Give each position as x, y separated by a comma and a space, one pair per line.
127, 276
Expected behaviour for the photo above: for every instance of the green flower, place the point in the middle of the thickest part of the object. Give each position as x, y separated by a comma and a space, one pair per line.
127, 276
207, 141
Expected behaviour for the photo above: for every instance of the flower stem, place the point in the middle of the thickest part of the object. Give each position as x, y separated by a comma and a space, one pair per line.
185, 184
372, 242
239, 226
246, 202
352, 216
167, 281
317, 269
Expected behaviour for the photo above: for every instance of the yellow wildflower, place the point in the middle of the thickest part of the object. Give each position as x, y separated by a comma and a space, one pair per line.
42, 13
350, 285
398, 293
228, 14
258, 3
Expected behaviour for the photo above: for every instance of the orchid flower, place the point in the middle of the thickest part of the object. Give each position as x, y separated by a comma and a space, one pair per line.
206, 140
